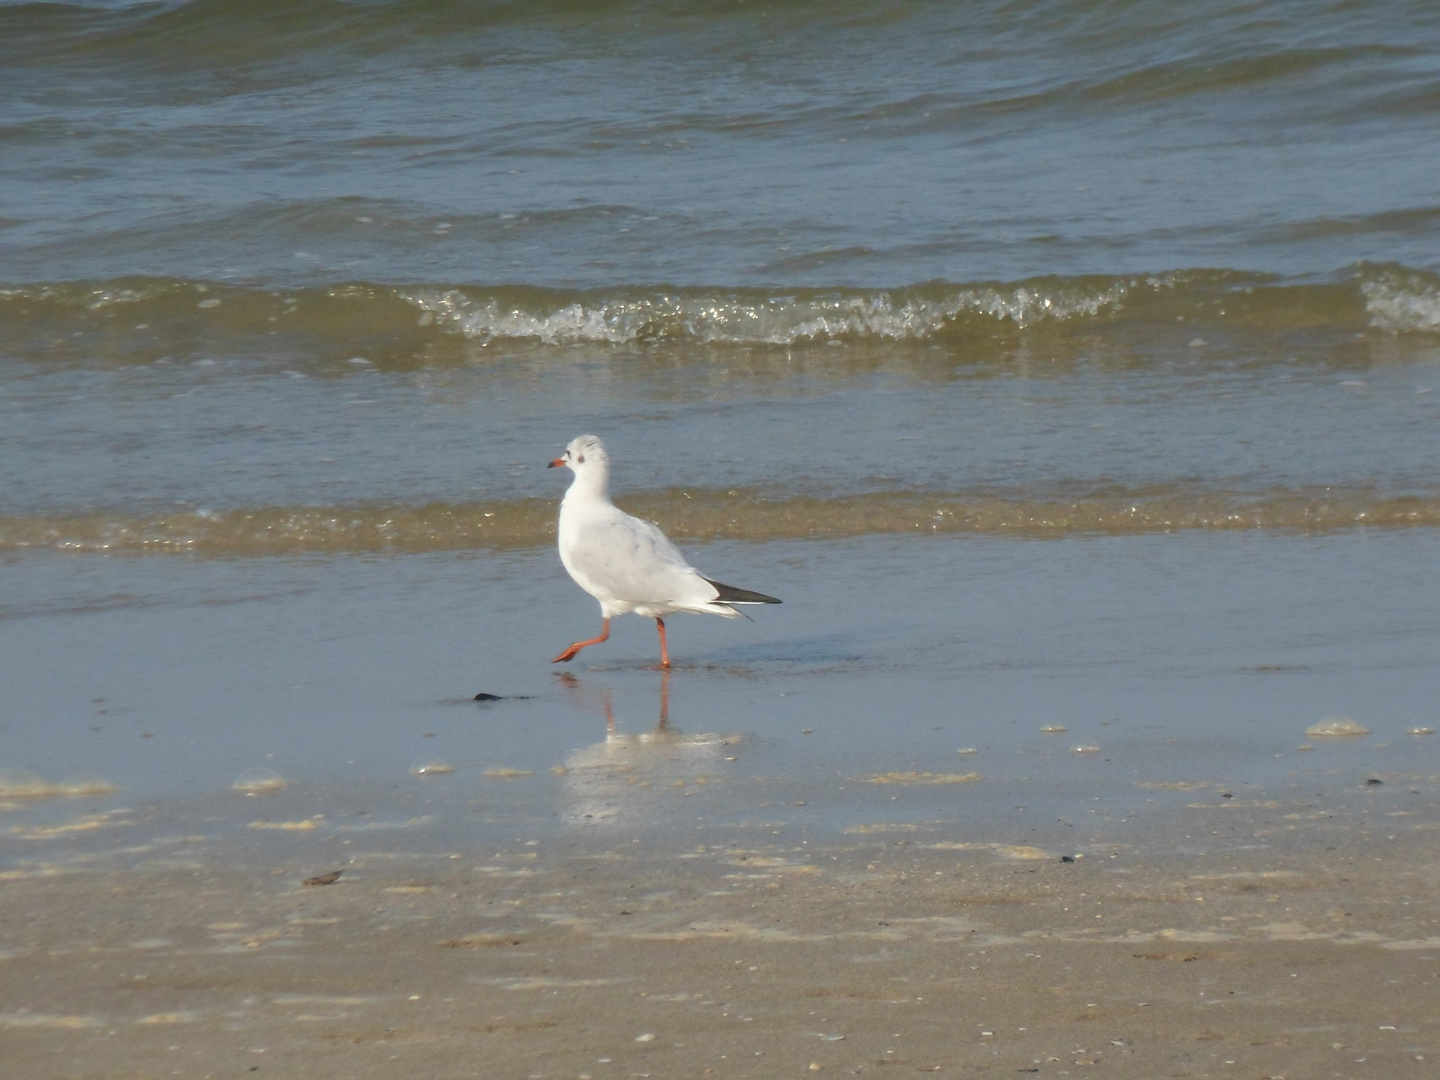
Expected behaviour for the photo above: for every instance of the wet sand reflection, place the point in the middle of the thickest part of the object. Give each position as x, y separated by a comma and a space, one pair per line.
636, 778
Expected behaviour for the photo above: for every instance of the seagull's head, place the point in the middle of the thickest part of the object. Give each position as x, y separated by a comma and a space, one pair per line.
584, 455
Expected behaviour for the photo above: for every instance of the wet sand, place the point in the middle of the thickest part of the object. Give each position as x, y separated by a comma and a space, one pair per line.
1301, 942
833, 838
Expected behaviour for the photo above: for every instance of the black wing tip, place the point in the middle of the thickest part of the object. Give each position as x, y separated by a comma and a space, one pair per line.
729, 594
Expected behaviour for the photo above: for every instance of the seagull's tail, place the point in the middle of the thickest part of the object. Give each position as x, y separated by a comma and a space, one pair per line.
731, 595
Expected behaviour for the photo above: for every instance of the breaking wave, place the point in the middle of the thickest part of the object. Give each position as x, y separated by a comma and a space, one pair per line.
1403, 301
141, 320
749, 319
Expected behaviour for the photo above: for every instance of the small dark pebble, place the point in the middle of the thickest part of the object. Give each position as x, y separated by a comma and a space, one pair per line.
324, 879
1067, 858
1374, 780
482, 696
1226, 795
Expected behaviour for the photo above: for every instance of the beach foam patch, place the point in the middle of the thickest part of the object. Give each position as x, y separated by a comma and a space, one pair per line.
920, 778
1337, 727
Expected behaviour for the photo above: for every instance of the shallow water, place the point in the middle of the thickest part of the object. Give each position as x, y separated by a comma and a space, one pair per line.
1170, 668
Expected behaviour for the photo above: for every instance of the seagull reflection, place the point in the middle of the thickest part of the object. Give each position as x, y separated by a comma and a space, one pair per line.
636, 778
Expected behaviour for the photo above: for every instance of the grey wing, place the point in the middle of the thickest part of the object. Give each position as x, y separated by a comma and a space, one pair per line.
634, 561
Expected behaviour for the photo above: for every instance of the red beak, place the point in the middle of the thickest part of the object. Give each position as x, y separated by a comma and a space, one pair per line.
558, 463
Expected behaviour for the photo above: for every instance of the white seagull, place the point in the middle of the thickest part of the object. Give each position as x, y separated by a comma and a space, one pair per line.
627, 564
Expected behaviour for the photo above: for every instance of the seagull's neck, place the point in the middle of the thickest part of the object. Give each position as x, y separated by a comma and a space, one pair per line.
592, 485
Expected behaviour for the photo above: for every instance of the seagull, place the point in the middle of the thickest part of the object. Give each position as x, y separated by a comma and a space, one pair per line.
627, 564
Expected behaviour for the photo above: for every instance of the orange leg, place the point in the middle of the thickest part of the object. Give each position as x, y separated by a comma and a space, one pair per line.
569, 654
664, 652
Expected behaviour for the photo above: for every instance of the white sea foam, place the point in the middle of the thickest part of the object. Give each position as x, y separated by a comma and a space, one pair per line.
1403, 303
788, 320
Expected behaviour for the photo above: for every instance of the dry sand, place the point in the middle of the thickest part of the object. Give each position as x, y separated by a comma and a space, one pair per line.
1298, 946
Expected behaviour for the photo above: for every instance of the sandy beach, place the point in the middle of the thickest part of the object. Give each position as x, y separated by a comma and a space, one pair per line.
1302, 941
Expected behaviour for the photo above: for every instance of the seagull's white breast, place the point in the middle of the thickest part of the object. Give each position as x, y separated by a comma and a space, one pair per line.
627, 564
